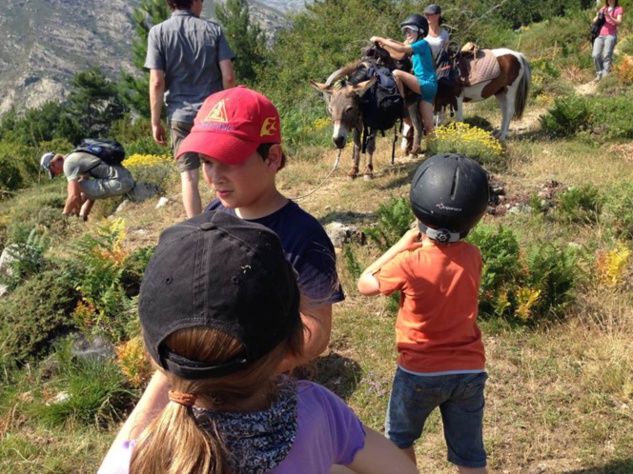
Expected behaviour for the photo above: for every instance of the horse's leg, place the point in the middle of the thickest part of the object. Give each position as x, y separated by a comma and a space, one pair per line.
369, 169
459, 113
407, 137
506, 103
353, 172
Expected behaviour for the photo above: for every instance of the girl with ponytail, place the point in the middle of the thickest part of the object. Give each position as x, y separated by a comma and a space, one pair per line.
219, 311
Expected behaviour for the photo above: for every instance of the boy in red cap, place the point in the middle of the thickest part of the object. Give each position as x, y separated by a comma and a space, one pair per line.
237, 134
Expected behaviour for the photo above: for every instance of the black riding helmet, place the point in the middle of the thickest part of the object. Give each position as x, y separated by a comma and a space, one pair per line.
419, 21
449, 195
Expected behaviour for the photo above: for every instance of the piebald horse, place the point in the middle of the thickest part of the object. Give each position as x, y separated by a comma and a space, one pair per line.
510, 88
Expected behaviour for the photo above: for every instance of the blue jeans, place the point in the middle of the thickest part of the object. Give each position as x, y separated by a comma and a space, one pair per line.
603, 47
461, 401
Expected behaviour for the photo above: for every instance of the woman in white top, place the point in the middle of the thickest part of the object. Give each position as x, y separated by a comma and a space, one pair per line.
437, 37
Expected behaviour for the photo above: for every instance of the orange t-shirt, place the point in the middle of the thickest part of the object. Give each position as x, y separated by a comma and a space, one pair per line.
436, 329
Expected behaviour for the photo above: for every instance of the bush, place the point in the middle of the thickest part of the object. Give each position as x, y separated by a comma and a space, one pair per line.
134, 268
157, 169
305, 128
133, 363
617, 209
35, 314
567, 117
581, 204
94, 393
27, 257
524, 287
473, 142
97, 271
393, 220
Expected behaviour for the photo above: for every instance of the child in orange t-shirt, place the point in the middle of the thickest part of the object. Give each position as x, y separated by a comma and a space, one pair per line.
441, 355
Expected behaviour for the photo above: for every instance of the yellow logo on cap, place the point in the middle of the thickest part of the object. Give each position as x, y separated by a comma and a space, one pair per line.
217, 113
269, 127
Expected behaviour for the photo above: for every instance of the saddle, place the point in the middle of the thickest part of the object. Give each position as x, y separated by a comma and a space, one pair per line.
475, 65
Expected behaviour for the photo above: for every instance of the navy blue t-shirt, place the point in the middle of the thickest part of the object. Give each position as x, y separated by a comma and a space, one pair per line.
306, 246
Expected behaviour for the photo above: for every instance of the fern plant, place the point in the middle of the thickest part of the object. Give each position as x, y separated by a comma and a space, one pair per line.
26, 258
99, 267
394, 219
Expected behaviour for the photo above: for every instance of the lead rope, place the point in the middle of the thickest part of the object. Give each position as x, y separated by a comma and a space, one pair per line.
336, 161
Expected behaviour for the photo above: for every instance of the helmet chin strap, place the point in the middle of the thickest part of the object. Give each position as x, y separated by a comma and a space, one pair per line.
443, 236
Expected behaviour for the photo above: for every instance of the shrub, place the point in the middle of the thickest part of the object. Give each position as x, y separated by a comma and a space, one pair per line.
617, 209
131, 359
581, 204
27, 257
304, 128
35, 314
611, 265
553, 272
473, 142
567, 117
623, 70
351, 262
97, 268
526, 287
94, 393
393, 220
613, 116
134, 268
157, 169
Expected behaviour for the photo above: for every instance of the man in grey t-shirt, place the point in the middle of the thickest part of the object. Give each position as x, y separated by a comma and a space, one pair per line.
79, 167
189, 59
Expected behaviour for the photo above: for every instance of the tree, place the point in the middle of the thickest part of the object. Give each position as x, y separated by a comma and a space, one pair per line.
247, 39
135, 87
95, 102
42, 124
329, 34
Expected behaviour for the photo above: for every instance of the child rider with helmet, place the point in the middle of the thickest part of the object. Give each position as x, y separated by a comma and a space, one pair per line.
441, 359
423, 81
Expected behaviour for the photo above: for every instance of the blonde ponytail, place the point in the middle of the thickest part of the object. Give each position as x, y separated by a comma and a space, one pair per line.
174, 443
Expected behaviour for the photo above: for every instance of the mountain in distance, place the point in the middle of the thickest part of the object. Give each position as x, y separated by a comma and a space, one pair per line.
47, 41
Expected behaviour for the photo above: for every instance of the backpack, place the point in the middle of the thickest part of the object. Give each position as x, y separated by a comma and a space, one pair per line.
597, 25
382, 104
109, 151
445, 70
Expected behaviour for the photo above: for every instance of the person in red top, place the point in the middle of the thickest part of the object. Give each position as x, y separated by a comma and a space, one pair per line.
441, 359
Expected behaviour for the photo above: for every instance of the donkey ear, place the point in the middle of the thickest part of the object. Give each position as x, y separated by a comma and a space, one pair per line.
321, 87
364, 86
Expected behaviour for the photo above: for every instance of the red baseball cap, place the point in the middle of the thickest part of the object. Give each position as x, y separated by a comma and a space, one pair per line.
231, 124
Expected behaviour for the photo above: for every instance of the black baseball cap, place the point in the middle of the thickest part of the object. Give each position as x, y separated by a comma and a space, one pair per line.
433, 9
221, 272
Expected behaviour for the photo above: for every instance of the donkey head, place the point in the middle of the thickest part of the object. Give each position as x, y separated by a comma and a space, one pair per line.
344, 106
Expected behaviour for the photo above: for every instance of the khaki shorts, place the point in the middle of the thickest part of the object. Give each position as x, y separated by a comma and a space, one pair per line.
178, 132
107, 188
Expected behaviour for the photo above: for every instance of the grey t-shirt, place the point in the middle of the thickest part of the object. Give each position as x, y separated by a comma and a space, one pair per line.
437, 43
78, 164
188, 49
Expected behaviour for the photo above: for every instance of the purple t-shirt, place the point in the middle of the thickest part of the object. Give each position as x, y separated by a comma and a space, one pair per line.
328, 432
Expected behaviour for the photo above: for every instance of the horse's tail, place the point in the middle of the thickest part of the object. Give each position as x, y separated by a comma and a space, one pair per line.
520, 99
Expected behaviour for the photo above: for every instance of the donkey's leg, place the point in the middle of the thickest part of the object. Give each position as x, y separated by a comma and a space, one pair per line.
353, 172
459, 113
369, 169
418, 128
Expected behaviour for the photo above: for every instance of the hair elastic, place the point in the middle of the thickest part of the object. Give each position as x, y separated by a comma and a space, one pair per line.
185, 399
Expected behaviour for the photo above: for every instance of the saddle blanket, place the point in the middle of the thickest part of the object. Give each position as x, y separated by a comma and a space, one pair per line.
480, 67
